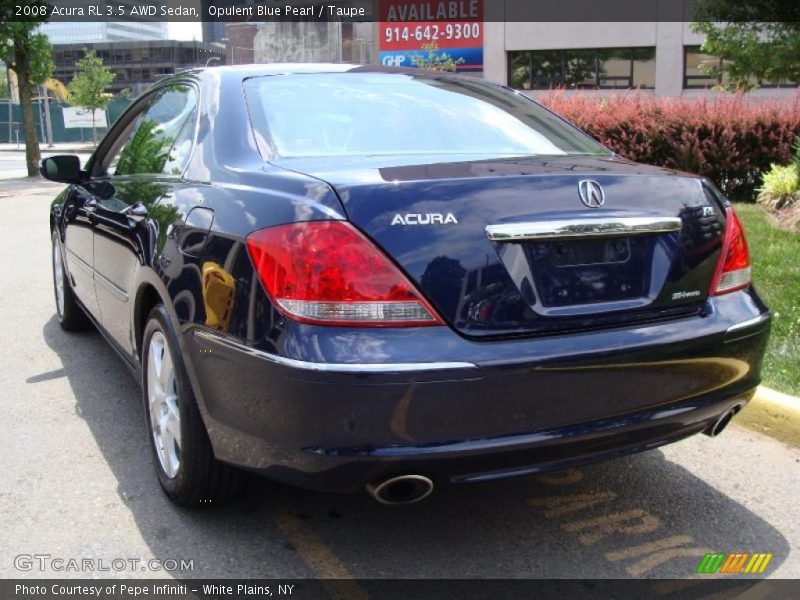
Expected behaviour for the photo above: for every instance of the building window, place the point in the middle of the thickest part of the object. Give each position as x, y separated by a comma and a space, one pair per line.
697, 66
596, 68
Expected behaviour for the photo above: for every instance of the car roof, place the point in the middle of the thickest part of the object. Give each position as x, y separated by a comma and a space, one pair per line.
283, 68
255, 70
242, 72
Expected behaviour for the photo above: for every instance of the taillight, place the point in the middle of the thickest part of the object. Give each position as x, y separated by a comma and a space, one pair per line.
733, 269
328, 273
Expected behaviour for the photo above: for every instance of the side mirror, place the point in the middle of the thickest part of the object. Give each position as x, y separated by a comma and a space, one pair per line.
65, 168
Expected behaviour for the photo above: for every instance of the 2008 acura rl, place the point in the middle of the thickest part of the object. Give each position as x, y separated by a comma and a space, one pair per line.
342, 276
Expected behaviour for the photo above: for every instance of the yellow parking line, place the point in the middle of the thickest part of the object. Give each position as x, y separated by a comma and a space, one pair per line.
337, 580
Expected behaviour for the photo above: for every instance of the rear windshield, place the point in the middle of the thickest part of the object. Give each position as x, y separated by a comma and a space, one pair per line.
369, 114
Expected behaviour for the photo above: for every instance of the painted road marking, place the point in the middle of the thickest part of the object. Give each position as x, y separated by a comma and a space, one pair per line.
559, 506
339, 583
566, 477
636, 521
629, 523
657, 553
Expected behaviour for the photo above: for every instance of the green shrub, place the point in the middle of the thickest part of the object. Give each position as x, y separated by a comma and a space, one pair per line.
797, 157
780, 186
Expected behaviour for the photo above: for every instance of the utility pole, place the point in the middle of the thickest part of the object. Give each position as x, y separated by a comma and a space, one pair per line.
48, 123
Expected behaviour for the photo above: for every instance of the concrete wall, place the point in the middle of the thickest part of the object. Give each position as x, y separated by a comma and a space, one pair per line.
292, 42
314, 42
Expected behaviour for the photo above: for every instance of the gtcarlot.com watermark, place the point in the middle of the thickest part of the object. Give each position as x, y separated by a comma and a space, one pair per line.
48, 562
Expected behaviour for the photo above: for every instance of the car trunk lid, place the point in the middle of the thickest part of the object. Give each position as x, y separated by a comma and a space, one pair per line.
508, 246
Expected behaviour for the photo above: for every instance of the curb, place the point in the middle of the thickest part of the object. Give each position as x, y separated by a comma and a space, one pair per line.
774, 414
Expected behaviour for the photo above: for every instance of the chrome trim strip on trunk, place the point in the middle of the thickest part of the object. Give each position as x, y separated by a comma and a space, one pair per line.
582, 228
332, 367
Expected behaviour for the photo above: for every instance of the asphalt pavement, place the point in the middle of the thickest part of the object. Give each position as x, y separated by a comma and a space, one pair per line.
76, 482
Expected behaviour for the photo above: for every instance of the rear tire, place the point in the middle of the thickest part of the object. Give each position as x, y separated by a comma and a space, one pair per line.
187, 470
69, 313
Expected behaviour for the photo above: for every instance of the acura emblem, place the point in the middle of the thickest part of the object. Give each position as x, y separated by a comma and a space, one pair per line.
591, 193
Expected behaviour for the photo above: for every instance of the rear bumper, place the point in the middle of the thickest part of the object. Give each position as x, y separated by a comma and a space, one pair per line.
351, 407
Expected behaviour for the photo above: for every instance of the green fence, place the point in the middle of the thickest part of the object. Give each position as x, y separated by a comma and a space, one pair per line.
16, 134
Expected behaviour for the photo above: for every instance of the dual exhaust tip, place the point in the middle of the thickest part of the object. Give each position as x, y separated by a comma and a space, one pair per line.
403, 489
723, 421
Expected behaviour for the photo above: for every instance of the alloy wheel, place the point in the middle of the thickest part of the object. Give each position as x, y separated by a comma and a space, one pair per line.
58, 278
162, 395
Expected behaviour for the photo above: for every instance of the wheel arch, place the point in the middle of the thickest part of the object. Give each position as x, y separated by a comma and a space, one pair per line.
146, 298
150, 290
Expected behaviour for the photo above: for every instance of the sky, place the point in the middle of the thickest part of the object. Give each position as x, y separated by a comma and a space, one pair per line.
185, 31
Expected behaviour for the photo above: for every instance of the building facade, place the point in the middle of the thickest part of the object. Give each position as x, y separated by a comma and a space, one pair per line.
138, 64
64, 32
238, 42
660, 58
657, 58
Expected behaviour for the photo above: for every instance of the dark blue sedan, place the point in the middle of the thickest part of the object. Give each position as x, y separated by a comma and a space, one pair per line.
350, 277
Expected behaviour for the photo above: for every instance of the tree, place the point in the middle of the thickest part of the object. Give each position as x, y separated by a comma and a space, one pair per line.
30, 56
759, 40
88, 87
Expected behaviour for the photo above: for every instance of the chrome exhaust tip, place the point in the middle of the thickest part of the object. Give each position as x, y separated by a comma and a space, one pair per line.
723, 421
404, 489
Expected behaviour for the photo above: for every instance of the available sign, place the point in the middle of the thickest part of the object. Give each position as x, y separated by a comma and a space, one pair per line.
77, 118
409, 28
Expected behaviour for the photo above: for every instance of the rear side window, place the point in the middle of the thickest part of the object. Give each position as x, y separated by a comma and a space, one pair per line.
161, 138
352, 114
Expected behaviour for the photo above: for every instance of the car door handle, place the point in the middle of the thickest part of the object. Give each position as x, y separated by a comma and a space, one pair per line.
582, 228
90, 204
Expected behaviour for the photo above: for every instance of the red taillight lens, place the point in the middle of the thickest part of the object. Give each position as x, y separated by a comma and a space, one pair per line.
733, 269
327, 272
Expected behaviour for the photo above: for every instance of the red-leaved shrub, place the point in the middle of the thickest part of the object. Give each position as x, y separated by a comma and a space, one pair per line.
727, 138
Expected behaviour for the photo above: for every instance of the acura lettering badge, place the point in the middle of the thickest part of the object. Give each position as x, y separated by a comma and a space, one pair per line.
591, 193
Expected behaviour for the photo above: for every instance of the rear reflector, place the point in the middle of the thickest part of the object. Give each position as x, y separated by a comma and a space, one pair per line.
733, 269
329, 273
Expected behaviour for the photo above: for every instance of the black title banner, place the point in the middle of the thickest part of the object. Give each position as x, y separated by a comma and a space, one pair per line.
405, 10
390, 589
